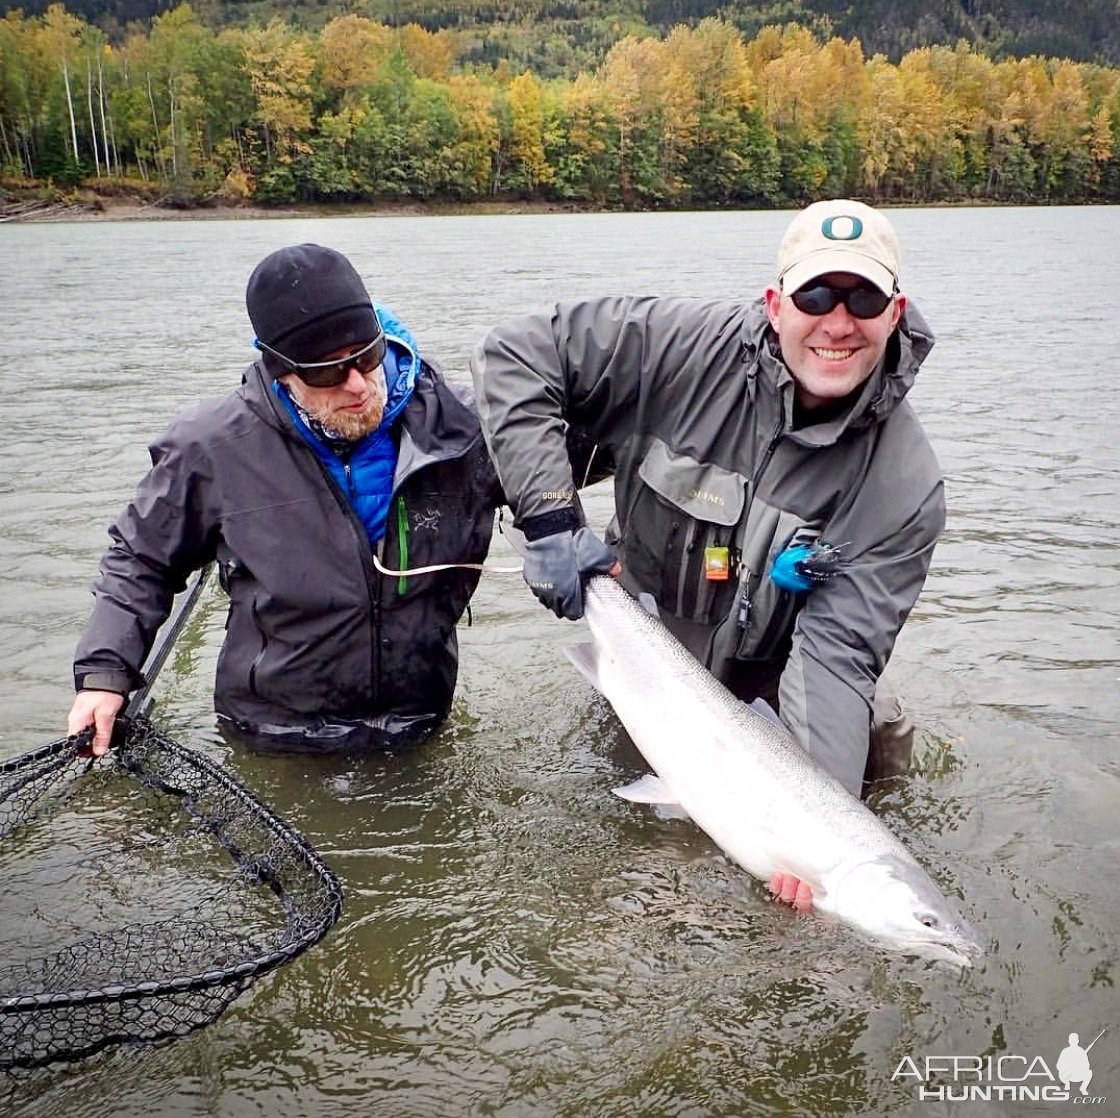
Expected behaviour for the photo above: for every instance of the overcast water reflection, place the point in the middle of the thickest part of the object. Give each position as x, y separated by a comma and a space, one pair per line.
516, 940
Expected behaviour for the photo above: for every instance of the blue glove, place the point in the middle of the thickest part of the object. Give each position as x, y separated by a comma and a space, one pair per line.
557, 566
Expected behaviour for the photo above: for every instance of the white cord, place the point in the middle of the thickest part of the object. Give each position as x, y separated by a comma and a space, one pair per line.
471, 566
446, 567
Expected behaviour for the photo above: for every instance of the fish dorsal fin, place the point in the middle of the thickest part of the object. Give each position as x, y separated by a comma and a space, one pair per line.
649, 603
586, 659
515, 536
764, 710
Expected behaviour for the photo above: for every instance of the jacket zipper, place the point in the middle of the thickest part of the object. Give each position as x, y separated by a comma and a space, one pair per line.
743, 614
775, 438
402, 540
259, 658
373, 585
373, 582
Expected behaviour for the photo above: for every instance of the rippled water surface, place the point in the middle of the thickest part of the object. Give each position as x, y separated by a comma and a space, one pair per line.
516, 940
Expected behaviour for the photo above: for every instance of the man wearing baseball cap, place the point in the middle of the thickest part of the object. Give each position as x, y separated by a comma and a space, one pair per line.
343, 459
774, 490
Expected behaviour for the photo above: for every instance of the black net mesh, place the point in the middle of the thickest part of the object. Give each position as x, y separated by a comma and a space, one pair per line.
139, 895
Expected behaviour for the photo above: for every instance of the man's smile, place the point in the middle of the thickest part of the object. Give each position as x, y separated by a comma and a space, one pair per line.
833, 354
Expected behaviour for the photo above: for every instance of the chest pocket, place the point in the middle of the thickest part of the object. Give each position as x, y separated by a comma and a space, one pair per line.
680, 526
763, 613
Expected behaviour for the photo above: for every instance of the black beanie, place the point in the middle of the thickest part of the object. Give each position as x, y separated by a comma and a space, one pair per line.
307, 301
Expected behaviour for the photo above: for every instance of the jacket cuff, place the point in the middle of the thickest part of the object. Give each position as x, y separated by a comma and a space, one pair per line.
550, 523
120, 682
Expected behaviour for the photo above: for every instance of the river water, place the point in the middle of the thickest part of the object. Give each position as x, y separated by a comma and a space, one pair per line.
516, 940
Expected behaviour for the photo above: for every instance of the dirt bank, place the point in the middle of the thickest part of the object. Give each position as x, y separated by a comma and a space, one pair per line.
92, 208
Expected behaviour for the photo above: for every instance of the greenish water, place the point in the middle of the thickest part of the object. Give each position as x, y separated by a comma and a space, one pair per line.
516, 940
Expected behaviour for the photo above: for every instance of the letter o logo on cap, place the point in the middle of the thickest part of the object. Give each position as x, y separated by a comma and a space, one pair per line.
842, 227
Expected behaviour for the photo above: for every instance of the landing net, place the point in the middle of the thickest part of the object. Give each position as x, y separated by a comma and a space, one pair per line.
140, 893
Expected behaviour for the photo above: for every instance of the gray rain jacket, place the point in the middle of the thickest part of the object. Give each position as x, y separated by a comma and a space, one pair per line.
320, 650
690, 406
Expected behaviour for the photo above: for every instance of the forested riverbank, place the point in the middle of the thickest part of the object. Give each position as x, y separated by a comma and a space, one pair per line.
183, 115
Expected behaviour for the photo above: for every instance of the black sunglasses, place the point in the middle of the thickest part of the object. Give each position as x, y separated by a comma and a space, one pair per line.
330, 374
864, 301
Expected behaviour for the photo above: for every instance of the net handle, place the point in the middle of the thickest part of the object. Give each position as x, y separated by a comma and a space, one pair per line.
140, 705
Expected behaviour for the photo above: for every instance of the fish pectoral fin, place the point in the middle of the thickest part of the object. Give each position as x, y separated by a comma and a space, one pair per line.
649, 603
586, 659
648, 789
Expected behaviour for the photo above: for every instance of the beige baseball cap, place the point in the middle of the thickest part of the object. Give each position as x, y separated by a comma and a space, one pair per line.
839, 236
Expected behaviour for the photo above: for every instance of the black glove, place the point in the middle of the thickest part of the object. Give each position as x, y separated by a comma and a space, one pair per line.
556, 567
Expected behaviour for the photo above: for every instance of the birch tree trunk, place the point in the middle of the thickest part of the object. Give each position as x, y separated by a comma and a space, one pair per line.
9, 155
70, 107
111, 161
155, 123
92, 121
175, 171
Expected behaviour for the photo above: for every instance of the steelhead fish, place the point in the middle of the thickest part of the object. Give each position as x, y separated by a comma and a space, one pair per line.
743, 779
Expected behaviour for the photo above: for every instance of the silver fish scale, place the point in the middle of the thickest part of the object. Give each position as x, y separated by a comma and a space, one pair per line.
621, 625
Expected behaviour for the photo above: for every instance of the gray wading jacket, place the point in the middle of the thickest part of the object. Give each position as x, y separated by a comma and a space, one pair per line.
689, 404
320, 650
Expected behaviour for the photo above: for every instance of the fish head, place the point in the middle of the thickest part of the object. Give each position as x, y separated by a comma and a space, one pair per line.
894, 900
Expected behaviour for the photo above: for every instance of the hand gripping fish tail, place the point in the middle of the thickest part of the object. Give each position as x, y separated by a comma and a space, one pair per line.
744, 781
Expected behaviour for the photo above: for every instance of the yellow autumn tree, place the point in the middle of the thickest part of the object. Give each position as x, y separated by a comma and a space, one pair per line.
1103, 87
1032, 139
1026, 84
933, 150
718, 124
903, 130
583, 163
429, 54
630, 77
811, 96
1066, 129
530, 165
60, 31
971, 96
279, 64
786, 80
679, 106
478, 132
1102, 145
351, 52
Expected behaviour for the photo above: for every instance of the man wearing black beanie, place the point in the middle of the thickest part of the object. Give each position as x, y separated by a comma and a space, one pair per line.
342, 460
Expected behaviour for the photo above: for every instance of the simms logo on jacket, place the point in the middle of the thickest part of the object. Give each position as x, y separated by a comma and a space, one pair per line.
1008, 1078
